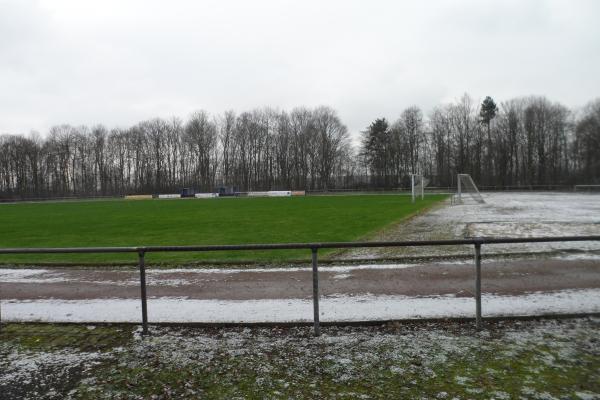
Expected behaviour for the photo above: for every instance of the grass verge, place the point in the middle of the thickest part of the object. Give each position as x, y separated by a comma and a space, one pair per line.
509, 359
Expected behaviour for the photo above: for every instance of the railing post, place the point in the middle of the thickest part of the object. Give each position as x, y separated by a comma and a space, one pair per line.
143, 292
315, 276
478, 285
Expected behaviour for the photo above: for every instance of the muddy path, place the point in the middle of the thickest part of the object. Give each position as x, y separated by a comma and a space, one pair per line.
502, 277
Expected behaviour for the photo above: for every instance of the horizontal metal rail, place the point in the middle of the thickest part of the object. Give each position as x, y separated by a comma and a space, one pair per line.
477, 242
294, 246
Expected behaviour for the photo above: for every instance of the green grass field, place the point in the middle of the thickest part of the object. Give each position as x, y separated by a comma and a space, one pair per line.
195, 222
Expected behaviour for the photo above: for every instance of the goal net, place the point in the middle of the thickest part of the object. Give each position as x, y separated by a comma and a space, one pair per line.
418, 185
467, 190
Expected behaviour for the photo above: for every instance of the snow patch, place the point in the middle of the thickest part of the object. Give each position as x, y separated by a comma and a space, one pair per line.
178, 276
333, 308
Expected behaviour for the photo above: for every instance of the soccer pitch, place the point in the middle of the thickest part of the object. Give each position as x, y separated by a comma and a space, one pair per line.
197, 222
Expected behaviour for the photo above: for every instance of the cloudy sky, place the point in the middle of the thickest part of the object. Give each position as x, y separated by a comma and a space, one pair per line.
119, 62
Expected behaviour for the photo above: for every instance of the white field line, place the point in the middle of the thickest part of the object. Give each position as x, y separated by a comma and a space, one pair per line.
335, 308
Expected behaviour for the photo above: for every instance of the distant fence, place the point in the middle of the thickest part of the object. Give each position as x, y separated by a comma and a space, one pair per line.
452, 189
278, 193
313, 247
58, 198
526, 188
587, 188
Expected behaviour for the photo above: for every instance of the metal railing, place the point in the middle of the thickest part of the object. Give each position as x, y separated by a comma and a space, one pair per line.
313, 247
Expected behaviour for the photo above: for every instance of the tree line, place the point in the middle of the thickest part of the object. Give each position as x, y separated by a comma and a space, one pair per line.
522, 141
256, 150
525, 141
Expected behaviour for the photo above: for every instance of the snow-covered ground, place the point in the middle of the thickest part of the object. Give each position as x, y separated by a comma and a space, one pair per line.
528, 214
504, 214
332, 308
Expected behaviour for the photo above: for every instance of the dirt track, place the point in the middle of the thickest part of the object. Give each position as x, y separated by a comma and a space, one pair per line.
498, 277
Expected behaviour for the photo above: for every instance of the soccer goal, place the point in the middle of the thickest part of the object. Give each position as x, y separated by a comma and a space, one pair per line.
418, 184
467, 189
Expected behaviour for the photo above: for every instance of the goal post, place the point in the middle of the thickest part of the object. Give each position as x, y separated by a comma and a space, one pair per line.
417, 185
467, 188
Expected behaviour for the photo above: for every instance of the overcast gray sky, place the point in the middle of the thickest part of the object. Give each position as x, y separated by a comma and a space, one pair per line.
119, 62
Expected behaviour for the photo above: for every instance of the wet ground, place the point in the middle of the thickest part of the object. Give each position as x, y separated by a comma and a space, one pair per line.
504, 214
501, 277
